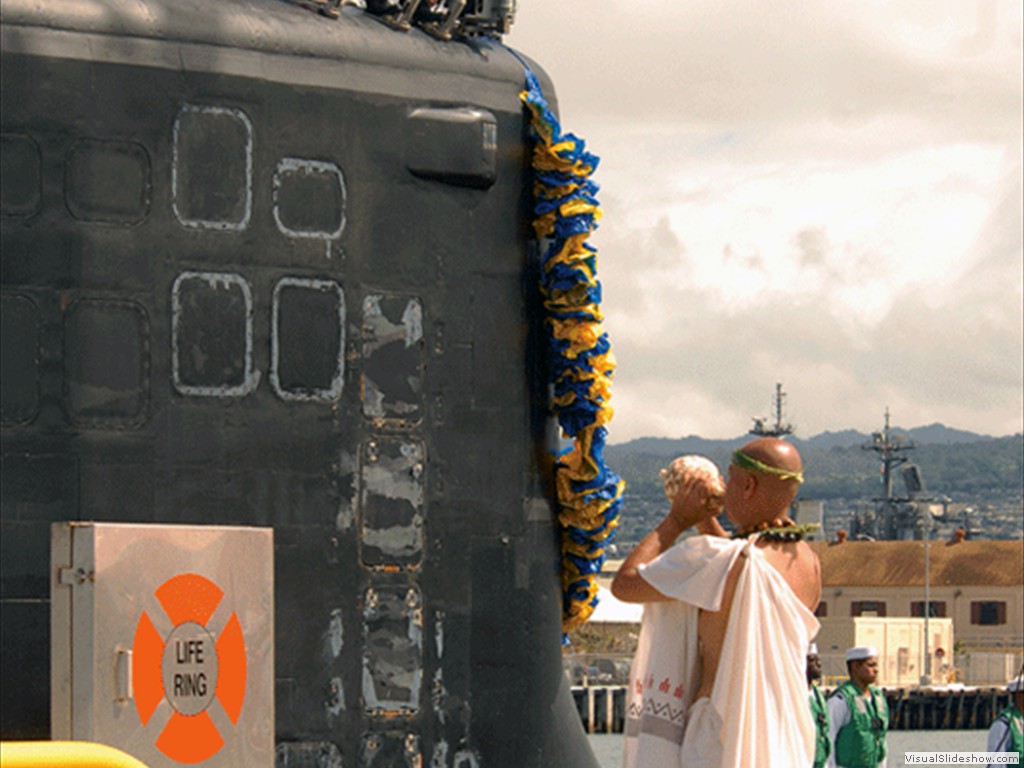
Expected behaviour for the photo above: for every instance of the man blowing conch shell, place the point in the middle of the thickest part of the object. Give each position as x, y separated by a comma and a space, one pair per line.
730, 619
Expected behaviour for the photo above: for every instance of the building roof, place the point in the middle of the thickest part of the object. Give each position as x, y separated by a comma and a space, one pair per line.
901, 563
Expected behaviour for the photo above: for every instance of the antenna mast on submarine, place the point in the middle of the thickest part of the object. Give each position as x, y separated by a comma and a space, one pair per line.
779, 428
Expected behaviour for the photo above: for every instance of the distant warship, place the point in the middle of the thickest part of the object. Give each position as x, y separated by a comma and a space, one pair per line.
908, 517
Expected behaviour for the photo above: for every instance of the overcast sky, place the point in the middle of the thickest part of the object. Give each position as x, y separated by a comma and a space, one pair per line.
823, 194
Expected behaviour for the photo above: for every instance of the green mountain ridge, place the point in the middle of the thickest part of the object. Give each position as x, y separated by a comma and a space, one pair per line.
954, 463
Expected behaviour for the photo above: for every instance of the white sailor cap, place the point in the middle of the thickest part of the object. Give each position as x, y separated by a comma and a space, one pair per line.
861, 652
812, 649
1016, 685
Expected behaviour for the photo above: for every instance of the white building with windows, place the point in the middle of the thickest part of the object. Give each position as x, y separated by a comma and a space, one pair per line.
979, 585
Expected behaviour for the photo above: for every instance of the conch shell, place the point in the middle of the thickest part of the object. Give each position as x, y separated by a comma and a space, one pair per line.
692, 465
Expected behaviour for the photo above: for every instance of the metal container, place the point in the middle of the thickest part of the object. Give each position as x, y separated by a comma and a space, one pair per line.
163, 641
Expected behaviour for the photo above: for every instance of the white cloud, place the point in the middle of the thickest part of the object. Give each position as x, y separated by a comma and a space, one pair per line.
824, 194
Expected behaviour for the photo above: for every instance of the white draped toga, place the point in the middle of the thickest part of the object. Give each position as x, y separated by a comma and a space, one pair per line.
757, 714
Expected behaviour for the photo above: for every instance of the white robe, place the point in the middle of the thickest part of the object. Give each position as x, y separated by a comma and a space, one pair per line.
757, 714
661, 685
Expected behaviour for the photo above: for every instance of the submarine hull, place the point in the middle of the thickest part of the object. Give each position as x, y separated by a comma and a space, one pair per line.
264, 268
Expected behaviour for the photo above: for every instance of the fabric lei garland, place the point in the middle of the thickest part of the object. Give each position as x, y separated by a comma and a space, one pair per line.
580, 358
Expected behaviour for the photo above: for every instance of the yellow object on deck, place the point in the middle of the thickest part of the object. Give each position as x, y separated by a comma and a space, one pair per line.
64, 754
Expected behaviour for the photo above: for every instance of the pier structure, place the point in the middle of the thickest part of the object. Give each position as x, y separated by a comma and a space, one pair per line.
602, 709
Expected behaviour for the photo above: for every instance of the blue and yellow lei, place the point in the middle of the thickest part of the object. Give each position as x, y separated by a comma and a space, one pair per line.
580, 361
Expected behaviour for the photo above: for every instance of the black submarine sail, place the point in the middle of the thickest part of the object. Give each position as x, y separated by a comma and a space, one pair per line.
264, 267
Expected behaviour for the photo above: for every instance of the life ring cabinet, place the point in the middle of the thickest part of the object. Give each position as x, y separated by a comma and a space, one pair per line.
162, 641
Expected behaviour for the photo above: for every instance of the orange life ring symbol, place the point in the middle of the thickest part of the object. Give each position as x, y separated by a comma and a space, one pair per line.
189, 669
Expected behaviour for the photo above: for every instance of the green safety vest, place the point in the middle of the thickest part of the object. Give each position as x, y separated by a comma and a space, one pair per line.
1013, 718
819, 713
861, 742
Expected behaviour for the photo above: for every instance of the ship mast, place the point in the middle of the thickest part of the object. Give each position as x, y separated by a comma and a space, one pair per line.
779, 428
896, 524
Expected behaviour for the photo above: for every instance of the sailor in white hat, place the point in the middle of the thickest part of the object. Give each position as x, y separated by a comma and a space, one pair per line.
819, 708
1007, 731
859, 714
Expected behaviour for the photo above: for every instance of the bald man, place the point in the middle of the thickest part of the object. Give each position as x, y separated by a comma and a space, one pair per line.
756, 595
